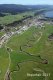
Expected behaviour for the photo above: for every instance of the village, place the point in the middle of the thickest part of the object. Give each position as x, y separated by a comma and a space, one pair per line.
27, 23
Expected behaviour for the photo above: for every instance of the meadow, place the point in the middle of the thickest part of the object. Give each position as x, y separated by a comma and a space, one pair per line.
11, 18
30, 50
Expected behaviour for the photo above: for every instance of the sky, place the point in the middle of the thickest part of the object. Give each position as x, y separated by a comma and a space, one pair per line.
27, 2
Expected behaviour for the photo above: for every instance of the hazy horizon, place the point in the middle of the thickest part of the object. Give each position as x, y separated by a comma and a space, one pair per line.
27, 2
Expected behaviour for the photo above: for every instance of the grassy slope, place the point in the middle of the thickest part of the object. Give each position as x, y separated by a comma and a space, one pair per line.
1, 33
4, 60
11, 18
44, 47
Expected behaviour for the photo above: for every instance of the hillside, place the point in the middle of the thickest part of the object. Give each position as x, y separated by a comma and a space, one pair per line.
13, 8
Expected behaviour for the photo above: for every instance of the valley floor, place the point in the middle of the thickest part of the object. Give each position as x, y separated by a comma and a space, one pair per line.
27, 52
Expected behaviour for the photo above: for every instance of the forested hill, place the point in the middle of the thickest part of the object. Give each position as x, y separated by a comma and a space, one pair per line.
15, 8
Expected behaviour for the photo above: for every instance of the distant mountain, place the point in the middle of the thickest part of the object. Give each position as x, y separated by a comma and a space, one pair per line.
13, 8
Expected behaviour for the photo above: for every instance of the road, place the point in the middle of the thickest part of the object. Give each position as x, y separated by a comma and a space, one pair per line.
7, 36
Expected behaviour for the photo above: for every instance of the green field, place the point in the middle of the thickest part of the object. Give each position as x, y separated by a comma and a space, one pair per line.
1, 33
30, 45
4, 61
29, 50
11, 18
